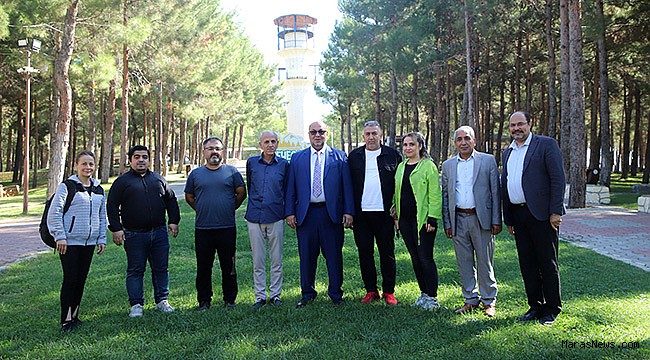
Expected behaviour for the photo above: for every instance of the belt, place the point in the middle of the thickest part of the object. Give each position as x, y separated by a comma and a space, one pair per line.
317, 204
519, 205
143, 230
466, 211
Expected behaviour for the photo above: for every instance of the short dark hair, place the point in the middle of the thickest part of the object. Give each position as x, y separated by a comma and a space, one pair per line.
135, 148
85, 153
212, 138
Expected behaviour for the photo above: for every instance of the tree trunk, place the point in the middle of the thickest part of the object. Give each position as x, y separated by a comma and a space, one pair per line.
646, 167
488, 128
240, 142
182, 146
18, 151
594, 136
167, 129
578, 140
60, 137
565, 81
125, 95
377, 102
444, 149
158, 156
552, 97
348, 122
637, 130
35, 157
627, 109
437, 144
92, 136
529, 76
69, 167
393, 111
471, 121
342, 130
607, 158
414, 100
107, 134
518, 56
502, 115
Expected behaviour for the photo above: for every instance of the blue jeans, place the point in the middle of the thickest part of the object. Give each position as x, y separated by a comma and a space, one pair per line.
140, 247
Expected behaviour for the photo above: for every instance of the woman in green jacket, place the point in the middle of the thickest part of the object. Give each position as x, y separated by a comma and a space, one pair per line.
418, 205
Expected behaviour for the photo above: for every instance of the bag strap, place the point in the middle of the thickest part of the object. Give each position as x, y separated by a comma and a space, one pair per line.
72, 191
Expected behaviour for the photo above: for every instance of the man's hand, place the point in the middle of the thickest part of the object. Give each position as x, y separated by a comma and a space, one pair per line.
555, 221
173, 228
101, 248
511, 230
61, 246
430, 228
496, 229
449, 233
347, 221
118, 237
291, 221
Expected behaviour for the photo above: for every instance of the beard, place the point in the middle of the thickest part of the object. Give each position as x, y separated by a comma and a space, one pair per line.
215, 159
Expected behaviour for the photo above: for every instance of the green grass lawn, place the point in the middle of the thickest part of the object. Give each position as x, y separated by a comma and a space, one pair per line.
621, 191
604, 301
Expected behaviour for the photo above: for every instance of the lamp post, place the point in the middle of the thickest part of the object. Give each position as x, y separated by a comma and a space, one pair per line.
27, 70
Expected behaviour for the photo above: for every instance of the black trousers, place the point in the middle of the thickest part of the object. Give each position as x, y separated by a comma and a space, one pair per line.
420, 247
537, 244
76, 265
206, 243
368, 226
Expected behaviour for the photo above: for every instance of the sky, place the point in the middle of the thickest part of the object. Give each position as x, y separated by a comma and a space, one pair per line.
256, 17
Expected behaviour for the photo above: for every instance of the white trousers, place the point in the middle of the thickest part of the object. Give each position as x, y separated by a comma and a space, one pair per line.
260, 235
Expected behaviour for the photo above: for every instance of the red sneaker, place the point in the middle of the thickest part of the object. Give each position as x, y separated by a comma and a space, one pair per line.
390, 299
370, 297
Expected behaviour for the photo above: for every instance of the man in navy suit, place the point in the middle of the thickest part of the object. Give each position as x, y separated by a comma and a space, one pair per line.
318, 205
533, 191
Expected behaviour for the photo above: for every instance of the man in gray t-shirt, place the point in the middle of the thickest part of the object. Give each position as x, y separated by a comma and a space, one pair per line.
215, 191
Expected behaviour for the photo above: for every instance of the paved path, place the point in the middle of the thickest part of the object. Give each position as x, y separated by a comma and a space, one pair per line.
614, 232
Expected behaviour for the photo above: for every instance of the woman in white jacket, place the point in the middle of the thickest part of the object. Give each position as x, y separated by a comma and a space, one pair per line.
77, 232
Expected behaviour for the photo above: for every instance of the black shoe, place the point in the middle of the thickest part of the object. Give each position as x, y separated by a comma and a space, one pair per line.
303, 302
547, 320
203, 306
230, 305
338, 302
76, 323
530, 315
275, 301
258, 304
67, 326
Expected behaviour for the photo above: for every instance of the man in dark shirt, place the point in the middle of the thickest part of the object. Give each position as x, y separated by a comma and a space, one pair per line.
215, 191
266, 178
372, 168
136, 208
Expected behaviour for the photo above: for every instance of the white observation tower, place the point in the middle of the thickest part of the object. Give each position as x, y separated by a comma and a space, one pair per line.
296, 47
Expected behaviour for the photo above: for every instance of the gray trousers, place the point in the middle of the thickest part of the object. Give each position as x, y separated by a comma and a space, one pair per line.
471, 240
259, 235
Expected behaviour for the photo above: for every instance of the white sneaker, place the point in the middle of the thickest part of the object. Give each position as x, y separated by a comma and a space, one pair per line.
164, 306
431, 304
136, 311
423, 297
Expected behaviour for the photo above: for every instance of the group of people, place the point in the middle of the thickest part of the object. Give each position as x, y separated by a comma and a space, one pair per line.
319, 193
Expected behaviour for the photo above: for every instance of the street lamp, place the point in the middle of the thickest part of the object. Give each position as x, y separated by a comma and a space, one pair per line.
27, 70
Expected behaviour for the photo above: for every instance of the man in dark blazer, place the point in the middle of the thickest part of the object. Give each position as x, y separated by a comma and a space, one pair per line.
318, 205
373, 169
471, 213
533, 185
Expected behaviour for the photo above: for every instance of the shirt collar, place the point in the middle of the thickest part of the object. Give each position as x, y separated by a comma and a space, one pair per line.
322, 151
472, 156
273, 161
514, 146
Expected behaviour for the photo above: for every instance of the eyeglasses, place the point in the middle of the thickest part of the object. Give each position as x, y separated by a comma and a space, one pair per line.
212, 148
319, 132
519, 124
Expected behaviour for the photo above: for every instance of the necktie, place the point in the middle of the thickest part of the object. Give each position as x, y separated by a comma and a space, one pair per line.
317, 186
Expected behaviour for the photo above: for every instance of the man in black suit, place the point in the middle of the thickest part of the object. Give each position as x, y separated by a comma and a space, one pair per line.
372, 168
533, 185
